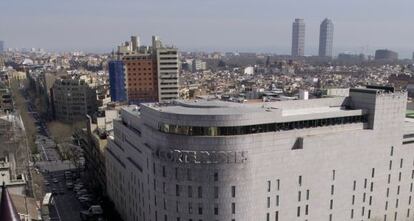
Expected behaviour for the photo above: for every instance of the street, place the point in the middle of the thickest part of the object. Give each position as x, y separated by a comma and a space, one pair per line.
66, 206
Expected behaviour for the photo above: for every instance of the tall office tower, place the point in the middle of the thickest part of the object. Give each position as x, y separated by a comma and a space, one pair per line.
1, 46
298, 37
142, 80
117, 80
336, 158
135, 43
156, 42
166, 59
326, 38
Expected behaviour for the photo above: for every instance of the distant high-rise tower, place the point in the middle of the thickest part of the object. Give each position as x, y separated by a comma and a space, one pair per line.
135, 42
326, 38
1, 47
298, 37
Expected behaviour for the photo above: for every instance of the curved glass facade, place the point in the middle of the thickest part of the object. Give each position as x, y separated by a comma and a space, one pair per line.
258, 128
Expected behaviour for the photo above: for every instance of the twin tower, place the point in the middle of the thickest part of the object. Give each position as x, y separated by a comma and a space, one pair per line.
325, 38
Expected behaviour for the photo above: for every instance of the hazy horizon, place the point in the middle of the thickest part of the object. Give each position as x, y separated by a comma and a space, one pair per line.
230, 25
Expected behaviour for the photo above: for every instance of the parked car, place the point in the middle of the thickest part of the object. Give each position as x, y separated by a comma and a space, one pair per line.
81, 192
95, 211
69, 185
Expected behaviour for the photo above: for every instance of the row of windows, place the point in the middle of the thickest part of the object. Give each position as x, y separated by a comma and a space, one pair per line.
139, 79
139, 69
141, 84
260, 128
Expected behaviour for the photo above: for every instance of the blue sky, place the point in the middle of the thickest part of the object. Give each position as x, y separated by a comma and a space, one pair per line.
222, 25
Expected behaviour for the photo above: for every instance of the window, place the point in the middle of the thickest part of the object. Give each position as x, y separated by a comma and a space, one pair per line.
233, 208
268, 202
177, 190
277, 184
307, 194
215, 176
216, 209
277, 200
216, 192
190, 191
200, 209
190, 208
233, 191
306, 209
300, 180
200, 192
332, 189
373, 173
189, 177
268, 185
163, 171
298, 211
299, 196
267, 217
333, 175
277, 216
331, 204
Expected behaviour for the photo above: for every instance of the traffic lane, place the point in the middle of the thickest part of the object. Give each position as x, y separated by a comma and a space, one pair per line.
67, 204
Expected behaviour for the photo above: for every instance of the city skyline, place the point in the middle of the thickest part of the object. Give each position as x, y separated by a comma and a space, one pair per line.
216, 26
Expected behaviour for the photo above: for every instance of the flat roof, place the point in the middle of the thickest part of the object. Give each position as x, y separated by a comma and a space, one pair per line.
220, 108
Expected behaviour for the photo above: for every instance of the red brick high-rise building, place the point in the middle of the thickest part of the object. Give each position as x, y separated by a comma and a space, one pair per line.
141, 78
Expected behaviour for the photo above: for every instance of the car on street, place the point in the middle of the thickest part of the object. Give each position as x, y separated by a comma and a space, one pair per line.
94, 212
81, 192
77, 188
69, 185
